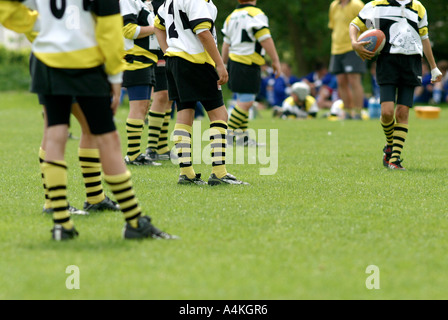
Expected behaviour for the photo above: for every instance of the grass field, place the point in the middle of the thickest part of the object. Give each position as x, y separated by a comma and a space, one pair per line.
307, 232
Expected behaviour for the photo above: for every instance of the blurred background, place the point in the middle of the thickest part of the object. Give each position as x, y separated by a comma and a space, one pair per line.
300, 30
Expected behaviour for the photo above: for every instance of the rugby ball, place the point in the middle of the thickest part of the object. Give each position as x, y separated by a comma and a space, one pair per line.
377, 40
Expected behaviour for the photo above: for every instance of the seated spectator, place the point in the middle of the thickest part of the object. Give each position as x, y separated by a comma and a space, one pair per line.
323, 86
299, 105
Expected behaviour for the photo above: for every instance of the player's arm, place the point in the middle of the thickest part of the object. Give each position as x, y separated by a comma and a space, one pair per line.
160, 32
17, 17
145, 31
134, 31
436, 75
225, 52
263, 35
269, 45
110, 41
359, 46
208, 42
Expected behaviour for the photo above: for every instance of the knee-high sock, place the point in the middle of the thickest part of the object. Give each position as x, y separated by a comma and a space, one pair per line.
388, 129
162, 145
218, 143
47, 204
182, 140
89, 160
56, 181
155, 123
121, 187
237, 118
134, 129
400, 134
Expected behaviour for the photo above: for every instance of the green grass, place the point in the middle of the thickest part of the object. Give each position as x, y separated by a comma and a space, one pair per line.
307, 232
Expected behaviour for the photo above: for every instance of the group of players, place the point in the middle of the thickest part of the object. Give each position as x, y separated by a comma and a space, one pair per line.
171, 52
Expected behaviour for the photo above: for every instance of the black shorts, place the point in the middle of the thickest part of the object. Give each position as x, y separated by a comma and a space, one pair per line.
43, 102
348, 62
398, 94
189, 83
140, 77
90, 82
97, 112
161, 82
399, 69
244, 78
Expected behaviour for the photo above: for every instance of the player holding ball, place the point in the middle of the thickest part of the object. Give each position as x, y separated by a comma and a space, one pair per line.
399, 66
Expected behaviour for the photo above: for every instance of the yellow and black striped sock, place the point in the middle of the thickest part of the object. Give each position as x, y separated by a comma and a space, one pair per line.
388, 129
162, 144
245, 124
237, 117
134, 129
89, 160
155, 123
400, 134
121, 187
218, 143
47, 204
182, 140
56, 181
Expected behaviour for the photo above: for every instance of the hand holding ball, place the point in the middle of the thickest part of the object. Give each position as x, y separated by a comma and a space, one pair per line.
376, 39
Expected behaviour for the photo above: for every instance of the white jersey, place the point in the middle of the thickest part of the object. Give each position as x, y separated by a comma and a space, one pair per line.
183, 20
404, 24
76, 34
243, 30
136, 15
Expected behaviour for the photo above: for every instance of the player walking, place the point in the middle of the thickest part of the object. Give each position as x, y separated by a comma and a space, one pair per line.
399, 66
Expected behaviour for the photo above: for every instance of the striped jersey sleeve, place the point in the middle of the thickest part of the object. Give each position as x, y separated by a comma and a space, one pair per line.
17, 17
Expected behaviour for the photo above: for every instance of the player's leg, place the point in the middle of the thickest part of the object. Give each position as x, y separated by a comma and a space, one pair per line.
158, 122
245, 81
218, 143
387, 119
100, 119
58, 110
357, 89
345, 94
405, 96
138, 108
89, 160
163, 149
183, 130
240, 112
42, 153
239, 116
159, 118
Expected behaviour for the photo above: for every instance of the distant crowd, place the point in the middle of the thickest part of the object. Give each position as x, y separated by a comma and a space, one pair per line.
324, 88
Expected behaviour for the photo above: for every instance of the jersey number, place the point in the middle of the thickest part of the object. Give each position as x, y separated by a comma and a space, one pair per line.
172, 33
58, 7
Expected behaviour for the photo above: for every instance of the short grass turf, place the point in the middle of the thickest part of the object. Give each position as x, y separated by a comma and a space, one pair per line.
309, 231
